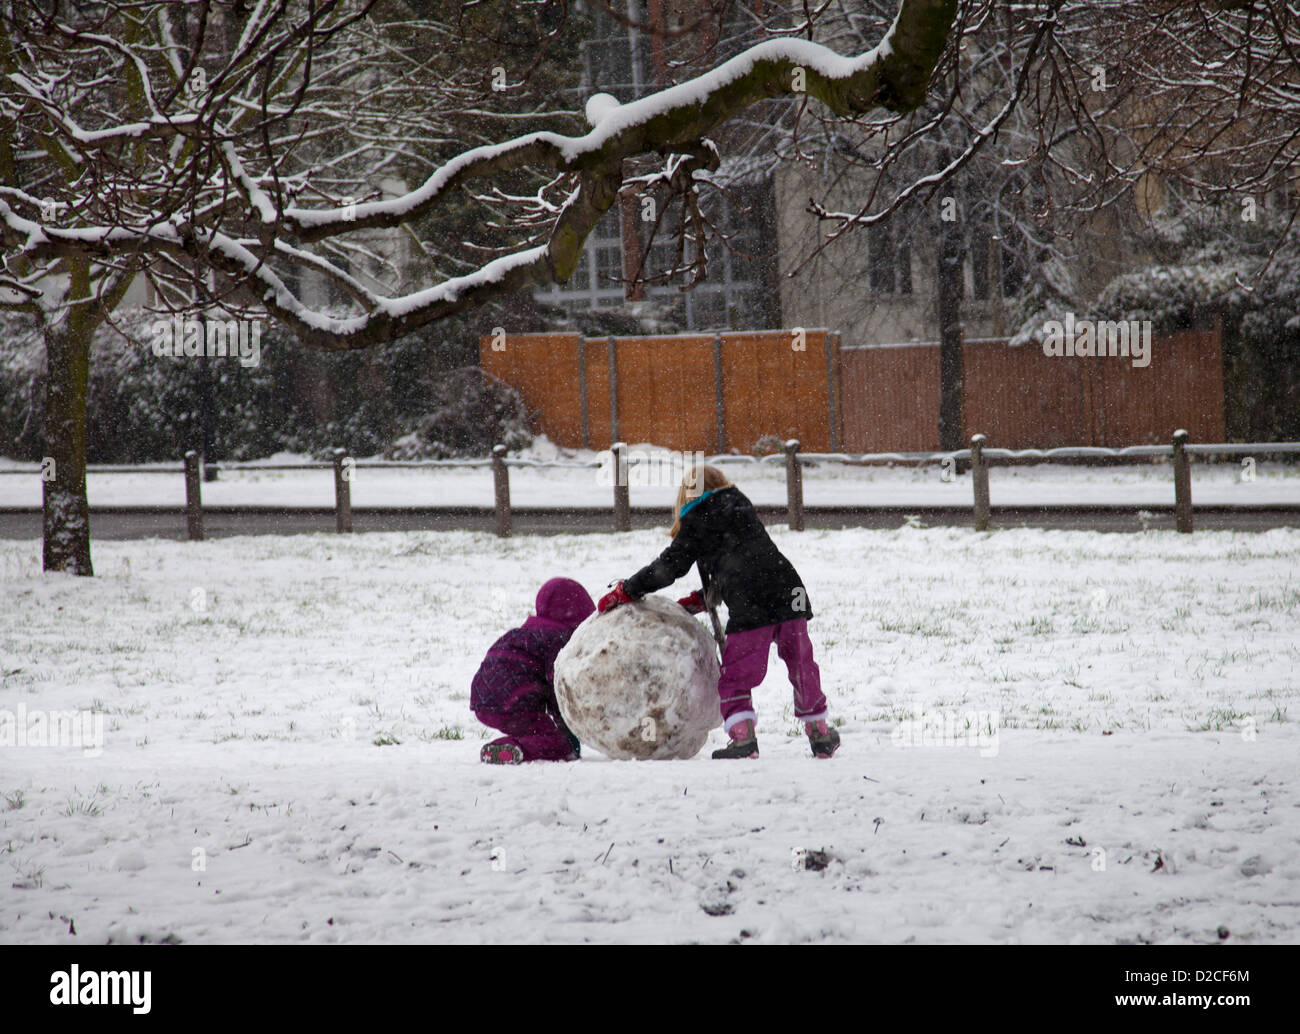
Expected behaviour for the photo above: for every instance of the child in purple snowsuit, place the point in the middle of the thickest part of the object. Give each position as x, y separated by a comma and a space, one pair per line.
514, 689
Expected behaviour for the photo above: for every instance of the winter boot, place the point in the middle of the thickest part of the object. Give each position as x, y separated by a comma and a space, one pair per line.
744, 742
824, 739
501, 752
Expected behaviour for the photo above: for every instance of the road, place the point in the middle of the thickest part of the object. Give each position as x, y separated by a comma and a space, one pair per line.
223, 522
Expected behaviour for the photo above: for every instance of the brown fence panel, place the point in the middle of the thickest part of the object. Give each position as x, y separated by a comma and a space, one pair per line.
665, 391
1186, 389
543, 368
636, 386
1021, 398
683, 413
598, 392
742, 404
889, 394
772, 388
809, 418
889, 398
561, 415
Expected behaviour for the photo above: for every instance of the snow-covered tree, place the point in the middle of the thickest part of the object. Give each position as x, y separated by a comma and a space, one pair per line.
135, 144
146, 141
1062, 128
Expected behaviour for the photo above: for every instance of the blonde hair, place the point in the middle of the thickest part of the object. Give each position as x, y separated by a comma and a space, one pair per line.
695, 482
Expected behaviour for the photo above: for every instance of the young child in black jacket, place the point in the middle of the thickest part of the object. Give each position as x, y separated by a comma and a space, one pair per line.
717, 529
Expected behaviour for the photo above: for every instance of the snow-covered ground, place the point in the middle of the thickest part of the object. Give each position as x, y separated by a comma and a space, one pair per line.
288, 753
655, 474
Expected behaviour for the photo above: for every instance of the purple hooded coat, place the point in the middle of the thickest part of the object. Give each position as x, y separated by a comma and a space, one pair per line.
518, 673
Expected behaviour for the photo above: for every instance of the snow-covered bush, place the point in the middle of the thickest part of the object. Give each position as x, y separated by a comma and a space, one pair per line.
471, 412
1045, 294
22, 387
144, 408
1260, 317
139, 407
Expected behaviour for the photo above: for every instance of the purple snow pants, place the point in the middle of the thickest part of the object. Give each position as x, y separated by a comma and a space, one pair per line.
541, 735
744, 663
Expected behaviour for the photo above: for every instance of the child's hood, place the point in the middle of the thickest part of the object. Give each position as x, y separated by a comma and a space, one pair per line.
564, 602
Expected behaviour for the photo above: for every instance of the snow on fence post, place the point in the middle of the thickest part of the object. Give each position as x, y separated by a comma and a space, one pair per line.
794, 485
979, 474
193, 497
501, 491
1182, 483
342, 492
622, 504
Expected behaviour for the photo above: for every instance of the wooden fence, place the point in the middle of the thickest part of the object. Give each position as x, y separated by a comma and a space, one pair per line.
1025, 399
715, 392
724, 392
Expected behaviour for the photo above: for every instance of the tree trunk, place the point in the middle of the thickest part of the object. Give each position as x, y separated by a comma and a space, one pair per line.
67, 352
952, 253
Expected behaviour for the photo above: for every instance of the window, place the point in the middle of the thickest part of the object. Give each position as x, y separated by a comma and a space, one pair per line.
581, 279
904, 269
707, 310
979, 261
613, 57
992, 264
738, 291
609, 265
1013, 272
601, 259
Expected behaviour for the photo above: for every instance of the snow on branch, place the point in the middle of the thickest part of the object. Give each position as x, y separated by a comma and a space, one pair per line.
894, 75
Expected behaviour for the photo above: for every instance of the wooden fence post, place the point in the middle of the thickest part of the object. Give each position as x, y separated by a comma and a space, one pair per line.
193, 497
1182, 483
979, 474
794, 485
342, 491
501, 491
622, 503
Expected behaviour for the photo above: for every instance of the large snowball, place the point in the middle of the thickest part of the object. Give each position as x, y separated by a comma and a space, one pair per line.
640, 681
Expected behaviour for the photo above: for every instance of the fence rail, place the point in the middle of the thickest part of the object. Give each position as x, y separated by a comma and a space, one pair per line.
979, 455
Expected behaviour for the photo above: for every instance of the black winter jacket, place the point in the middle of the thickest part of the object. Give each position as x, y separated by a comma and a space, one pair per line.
723, 534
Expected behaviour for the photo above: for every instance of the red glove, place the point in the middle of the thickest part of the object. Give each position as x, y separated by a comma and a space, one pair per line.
613, 598
694, 603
